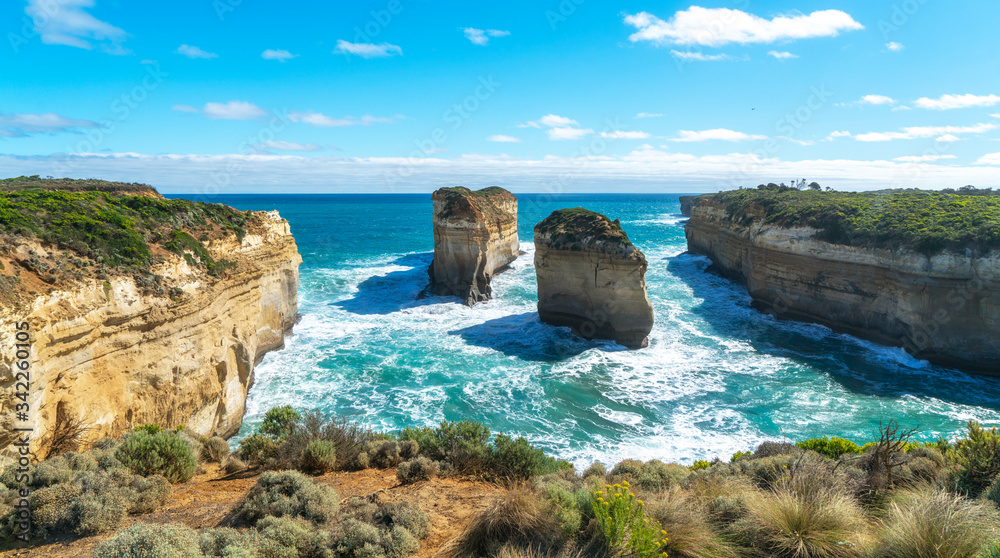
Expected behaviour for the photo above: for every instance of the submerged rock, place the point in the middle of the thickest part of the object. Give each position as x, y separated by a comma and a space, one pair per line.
475, 237
591, 278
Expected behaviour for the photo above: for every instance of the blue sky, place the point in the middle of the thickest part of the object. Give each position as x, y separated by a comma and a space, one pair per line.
537, 96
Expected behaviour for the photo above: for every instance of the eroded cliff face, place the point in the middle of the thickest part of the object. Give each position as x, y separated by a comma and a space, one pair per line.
114, 358
944, 308
591, 278
475, 237
687, 202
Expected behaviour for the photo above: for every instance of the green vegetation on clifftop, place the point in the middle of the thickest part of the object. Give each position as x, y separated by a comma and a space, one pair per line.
919, 220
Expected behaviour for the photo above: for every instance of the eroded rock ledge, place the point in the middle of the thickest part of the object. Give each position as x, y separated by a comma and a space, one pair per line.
113, 356
475, 237
943, 307
591, 278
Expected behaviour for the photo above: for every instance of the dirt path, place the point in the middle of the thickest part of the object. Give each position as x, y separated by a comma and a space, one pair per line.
209, 497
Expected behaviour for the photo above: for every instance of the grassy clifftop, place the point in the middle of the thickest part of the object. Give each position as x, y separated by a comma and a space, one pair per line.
94, 229
920, 220
570, 226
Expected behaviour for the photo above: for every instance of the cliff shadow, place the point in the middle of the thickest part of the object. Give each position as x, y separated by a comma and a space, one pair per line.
395, 290
526, 337
857, 365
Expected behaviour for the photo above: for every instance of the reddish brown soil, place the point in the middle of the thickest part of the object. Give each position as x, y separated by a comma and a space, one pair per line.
210, 496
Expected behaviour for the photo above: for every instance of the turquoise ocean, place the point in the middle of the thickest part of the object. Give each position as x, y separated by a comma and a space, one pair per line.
717, 377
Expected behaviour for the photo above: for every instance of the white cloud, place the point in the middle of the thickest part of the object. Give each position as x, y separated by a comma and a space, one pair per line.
783, 55
948, 102
894, 46
233, 110
989, 159
947, 138
995, 115
185, 108
367, 50
699, 56
66, 22
923, 158
24, 124
324, 121
195, 52
288, 146
500, 138
658, 115
838, 134
567, 133
482, 37
721, 26
916, 132
876, 100
641, 170
622, 134
279, 55
715, 134
554, 120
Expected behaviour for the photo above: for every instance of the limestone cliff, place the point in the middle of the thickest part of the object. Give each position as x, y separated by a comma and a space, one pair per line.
687, 202
942, 306
113, 354
591, 278
475, 237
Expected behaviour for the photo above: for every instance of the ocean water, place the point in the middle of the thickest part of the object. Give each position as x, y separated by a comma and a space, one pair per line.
717, 376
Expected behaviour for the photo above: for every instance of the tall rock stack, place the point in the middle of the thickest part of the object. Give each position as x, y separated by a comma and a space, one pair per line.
591, 278
475, 237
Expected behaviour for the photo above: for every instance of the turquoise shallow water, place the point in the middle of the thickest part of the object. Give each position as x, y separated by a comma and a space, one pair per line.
717, 377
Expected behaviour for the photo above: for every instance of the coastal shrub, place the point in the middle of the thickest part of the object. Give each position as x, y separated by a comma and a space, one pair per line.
622, 520
408, 449
657, 475
800, 520
514, 517
288, 494
147, 540
935, 523
465, 444
415, 470
233, 464
150, 493
363, 540
99, 512
163, 453
978, 457
279, 422
740, 455
404, 515
596, 470
214, 449
320, 456
383, 454
830, 447
689, 533
258, 449
774, 449
699, 465
51, 508
298, 536
563, 504
517, 460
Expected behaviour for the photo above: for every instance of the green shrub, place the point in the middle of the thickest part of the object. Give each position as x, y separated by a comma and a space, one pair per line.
657, 475
51, 507
426, 439
100, 512
775, 449
621, 518
297, 535
150, 493
830, 447
517, 460
978, 456
629, 470
595, 470
935, 523
699, 465
383, 454
564, 506
288, 494
258, 449
149, 429
465, 444
214, 449
405, 515
279, 422
163, 453
147, 540
415, 470
740, 455
320, 456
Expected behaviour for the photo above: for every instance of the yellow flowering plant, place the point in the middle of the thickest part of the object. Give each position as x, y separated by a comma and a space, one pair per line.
622, 518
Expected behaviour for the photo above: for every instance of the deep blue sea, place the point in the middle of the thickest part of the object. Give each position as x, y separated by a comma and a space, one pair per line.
717, 377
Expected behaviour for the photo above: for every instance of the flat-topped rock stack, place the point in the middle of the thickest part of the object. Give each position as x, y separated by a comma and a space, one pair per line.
591, 278
475, 237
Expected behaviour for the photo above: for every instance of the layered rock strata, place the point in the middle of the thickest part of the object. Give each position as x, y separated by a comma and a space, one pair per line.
943, 307
475, 237
111, 357
591, 278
